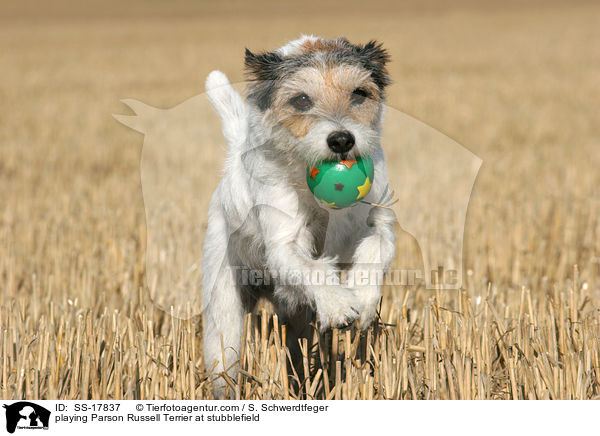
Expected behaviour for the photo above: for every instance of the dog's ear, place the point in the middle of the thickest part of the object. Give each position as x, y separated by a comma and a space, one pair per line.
262, 73
374, 58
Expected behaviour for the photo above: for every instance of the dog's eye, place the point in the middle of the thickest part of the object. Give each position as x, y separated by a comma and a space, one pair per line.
301, 102
358, 96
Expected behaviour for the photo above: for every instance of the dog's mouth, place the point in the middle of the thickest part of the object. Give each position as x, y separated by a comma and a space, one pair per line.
349, 155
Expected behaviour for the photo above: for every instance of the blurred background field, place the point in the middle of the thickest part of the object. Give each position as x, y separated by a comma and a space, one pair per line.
516, 83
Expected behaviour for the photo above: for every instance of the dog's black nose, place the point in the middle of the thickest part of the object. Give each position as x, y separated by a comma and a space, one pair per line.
341, 141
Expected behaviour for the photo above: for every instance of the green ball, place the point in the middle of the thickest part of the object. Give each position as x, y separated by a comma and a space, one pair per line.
339, 184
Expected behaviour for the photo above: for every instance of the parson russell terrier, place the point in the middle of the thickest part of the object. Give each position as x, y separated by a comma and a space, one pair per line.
311, 100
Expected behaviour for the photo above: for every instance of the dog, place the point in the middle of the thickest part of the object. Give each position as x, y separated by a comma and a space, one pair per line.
312, 100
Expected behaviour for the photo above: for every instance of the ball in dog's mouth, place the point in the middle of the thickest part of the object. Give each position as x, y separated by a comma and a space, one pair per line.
341, 183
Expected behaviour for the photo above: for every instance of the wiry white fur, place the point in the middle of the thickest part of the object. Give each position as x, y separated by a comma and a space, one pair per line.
262, 216
230, 107
295, 47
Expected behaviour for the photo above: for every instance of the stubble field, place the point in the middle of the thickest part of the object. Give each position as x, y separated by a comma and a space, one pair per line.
517, 85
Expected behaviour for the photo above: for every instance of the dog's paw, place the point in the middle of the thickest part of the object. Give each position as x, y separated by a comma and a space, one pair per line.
368, 301
368, 313
336, 307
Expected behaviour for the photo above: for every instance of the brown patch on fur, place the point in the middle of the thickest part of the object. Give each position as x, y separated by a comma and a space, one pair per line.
329, 79
322, 45
297, 124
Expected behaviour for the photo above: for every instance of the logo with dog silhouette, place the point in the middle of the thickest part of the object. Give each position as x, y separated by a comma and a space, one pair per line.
26, 415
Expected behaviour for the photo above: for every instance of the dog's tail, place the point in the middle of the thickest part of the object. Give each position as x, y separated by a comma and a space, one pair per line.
231, 108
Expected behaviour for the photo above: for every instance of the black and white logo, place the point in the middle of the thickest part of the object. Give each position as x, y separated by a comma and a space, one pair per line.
26, 415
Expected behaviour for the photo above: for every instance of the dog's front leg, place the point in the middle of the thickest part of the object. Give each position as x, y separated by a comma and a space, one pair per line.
302, 279
372, 258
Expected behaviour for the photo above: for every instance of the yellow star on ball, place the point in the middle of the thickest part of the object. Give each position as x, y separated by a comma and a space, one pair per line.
364, 189
332, 204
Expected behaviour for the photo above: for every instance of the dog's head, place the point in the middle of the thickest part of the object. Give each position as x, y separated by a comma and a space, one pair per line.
322, 98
